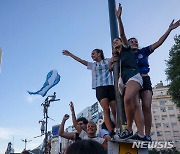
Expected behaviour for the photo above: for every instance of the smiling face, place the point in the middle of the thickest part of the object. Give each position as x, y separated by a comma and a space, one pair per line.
91, 128
95, 56
82, 125
133, 43
117, 43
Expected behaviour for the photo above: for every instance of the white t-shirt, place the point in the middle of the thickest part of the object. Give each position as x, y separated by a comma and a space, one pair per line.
83, 135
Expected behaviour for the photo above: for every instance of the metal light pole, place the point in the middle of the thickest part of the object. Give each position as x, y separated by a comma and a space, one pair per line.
46, 105
25, 141
120, 119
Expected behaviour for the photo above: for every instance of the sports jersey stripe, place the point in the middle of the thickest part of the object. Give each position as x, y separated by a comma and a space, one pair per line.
107, 73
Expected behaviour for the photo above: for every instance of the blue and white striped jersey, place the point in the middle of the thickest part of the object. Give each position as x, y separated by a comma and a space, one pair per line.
101, 76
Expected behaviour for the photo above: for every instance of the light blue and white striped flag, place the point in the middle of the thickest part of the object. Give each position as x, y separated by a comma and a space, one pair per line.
51, 80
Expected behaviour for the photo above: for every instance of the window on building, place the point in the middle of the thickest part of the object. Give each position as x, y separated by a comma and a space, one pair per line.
162, 102
174, 124
160, 140
164, 117
156, 117
178, 117
169, 140
176, 133
152, 133
81, 115
158, 125
170, 108
172, 116
155, 110
163, 109
154, 103
166, 124
159, 133
167, 133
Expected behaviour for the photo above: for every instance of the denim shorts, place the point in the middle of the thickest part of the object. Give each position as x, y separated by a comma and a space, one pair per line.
137, 78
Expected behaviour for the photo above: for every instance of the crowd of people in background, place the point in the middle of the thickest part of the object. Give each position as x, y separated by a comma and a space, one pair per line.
134, 67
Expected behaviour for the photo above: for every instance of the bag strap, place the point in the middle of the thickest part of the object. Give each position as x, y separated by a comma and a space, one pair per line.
120, 67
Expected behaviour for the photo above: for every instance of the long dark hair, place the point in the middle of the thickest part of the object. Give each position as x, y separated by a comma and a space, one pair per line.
132, 39
101, 52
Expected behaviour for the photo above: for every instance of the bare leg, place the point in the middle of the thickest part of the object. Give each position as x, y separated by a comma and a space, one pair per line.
112, 105
139, 117
132, 88
105, 106
146, 97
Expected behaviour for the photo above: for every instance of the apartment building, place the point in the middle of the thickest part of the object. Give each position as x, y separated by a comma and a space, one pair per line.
165, 117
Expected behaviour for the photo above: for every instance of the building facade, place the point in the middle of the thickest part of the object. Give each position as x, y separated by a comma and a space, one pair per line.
165, 117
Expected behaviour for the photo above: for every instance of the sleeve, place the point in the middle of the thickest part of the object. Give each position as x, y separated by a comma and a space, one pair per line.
101, 140
147, 50
108, 60
90, 66
103, 132
83, 135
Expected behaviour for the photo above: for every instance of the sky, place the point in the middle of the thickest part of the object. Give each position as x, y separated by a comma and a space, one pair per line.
33, 34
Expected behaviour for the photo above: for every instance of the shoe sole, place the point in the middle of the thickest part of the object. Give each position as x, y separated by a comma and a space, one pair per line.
127, 138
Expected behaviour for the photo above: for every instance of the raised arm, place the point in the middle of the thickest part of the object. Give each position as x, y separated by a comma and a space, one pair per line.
78, 128
166, 34
121, 27
61, 131
67, 53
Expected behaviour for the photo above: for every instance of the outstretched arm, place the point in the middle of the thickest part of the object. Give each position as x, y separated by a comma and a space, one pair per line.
67, 53
61, 131
78, 128
121, 27
166, 34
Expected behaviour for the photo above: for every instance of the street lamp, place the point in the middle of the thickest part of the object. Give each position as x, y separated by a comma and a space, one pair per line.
25, 141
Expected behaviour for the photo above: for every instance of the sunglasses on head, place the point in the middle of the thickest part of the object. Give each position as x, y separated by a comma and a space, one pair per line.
133, 41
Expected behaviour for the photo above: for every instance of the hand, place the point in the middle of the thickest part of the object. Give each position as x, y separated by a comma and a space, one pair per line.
115, 50
66, 117
119, 11
174, 25
113, 59
71, 107
66, 52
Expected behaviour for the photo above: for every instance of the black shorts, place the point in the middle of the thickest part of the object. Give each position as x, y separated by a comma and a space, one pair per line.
105, 92
146, 83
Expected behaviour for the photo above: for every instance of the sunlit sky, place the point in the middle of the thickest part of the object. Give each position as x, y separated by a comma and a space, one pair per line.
33, 34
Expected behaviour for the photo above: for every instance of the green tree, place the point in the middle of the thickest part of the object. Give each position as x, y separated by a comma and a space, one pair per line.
173, 71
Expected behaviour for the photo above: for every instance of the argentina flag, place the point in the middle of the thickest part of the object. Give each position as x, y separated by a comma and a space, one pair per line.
51, 80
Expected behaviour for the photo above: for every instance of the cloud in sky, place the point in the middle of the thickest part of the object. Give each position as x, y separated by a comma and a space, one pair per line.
31, 99
7, 135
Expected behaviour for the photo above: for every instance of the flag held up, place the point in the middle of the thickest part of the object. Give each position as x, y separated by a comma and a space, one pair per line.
51, 80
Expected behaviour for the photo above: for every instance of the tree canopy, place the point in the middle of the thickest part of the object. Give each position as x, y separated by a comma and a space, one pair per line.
173, 71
